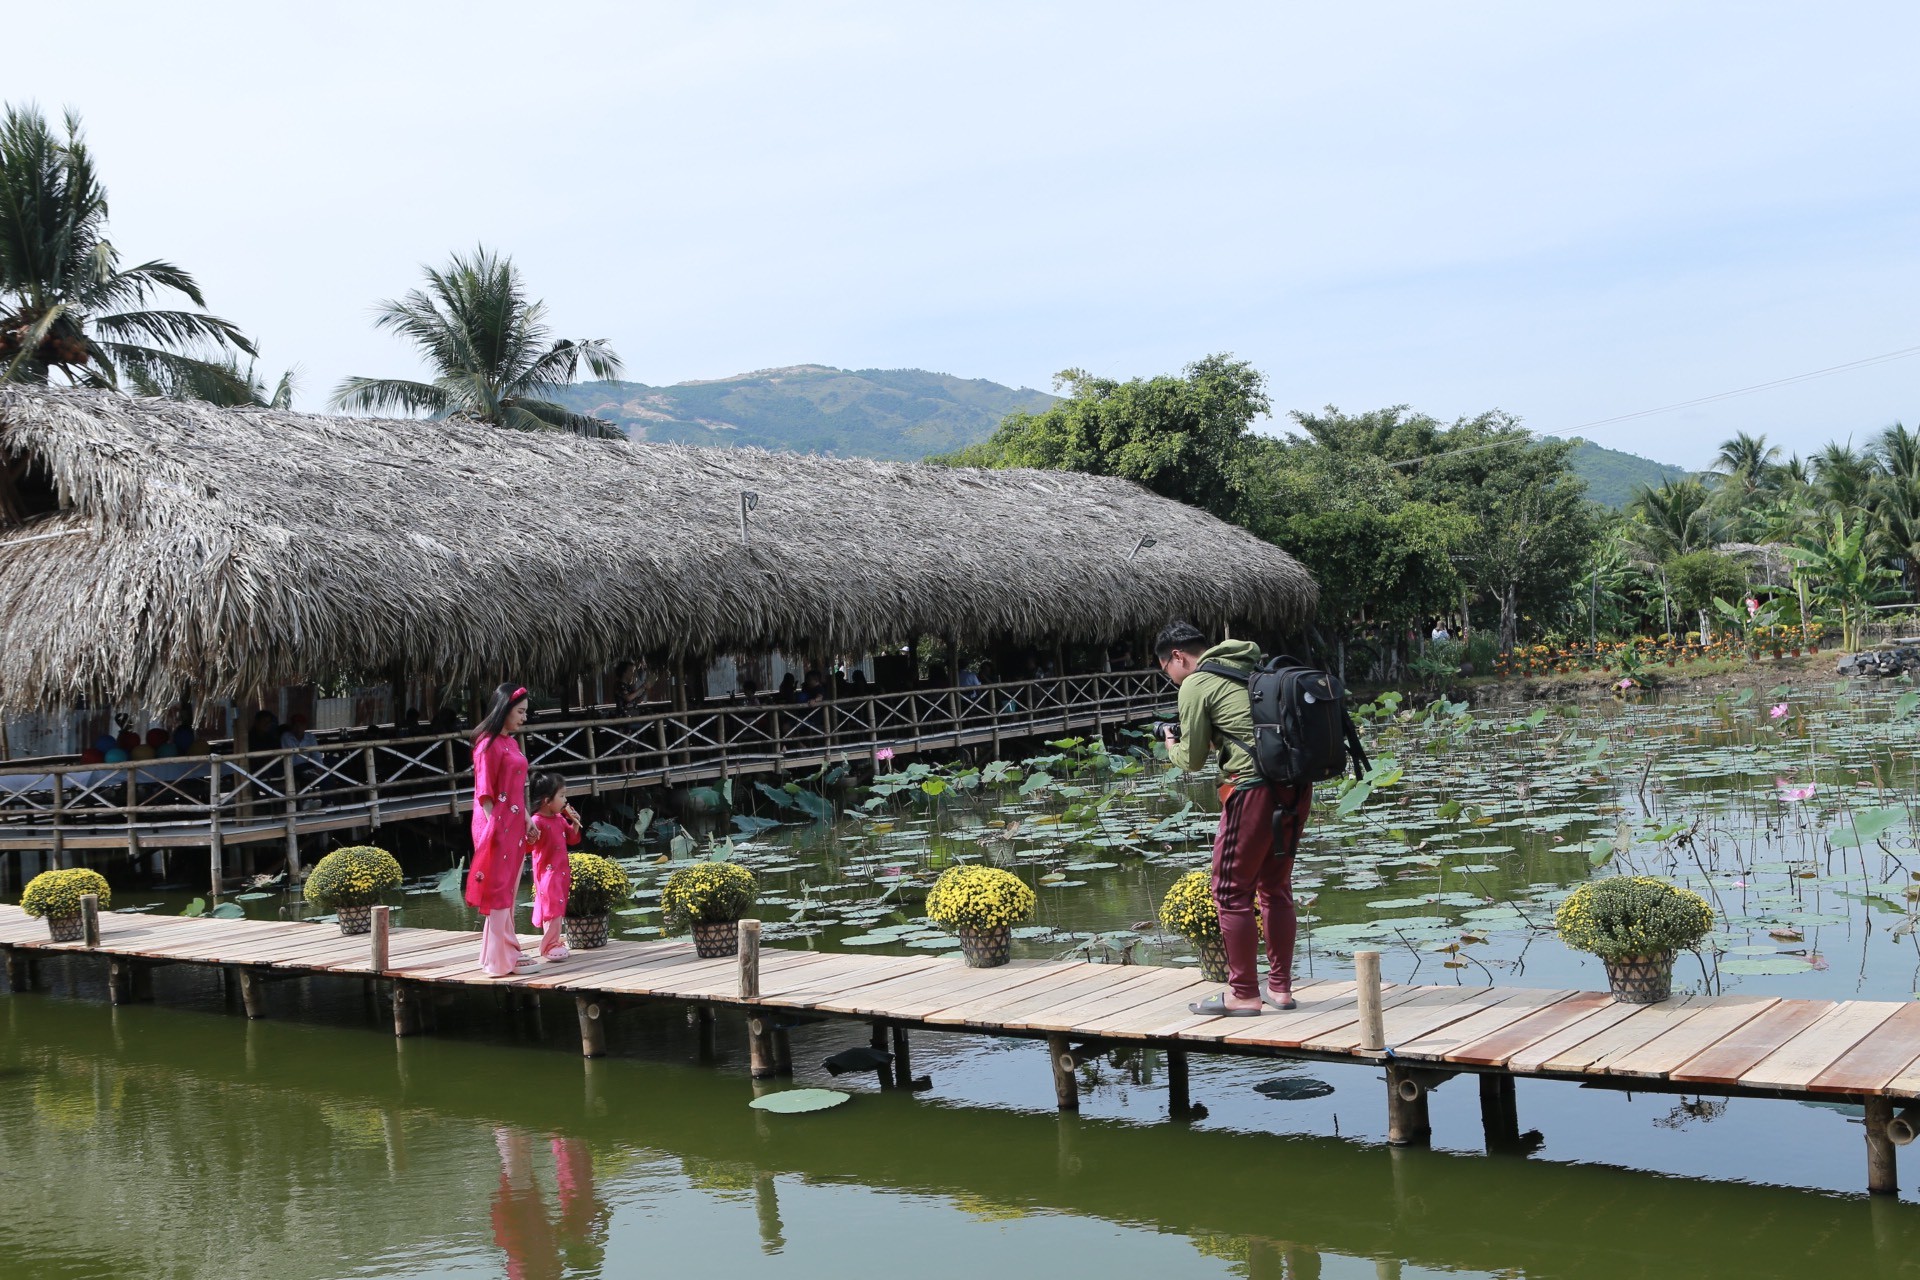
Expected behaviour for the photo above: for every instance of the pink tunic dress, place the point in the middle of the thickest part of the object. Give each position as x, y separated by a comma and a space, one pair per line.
499, 838
552, 836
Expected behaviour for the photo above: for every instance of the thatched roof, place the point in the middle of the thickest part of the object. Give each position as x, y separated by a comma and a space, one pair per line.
226, 550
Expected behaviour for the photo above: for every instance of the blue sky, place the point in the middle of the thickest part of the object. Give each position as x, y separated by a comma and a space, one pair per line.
1568, 211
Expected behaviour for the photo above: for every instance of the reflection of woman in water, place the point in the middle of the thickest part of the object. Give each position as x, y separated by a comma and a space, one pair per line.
538, 1246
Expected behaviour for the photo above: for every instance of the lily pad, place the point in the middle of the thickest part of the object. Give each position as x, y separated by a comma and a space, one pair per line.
797, 1101
1765, 965
1293, 1088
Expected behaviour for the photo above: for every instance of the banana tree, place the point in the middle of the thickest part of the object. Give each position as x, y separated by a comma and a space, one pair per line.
1835, 565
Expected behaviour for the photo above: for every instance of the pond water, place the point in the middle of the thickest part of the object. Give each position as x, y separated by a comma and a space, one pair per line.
178, 1139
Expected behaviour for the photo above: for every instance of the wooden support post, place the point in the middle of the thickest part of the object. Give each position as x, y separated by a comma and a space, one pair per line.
19, 969
1066, 1080
253, 992
406, 1009
1407, 1123
902, 1058
379, 939
762, 1057
373, 785
1499, 1114
593, 1024
701, 1016
216, 841
883, 1073
90, 918
291, 785
782, 1053
128, 980
1179, 1101
1882, 1171
1366, 974
59, 822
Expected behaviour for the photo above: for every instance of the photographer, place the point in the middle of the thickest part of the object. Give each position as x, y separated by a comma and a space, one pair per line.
1260, 822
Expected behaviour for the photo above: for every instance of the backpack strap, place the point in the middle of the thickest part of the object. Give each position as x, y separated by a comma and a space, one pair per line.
1357, 752
1238, 677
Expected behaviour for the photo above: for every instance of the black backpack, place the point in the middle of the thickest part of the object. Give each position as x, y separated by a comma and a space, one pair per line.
1301, 730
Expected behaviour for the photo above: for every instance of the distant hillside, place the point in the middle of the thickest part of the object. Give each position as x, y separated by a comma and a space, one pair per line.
902, 414
1613, 477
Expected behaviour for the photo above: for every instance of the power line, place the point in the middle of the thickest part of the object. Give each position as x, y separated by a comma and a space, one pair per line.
1866, 362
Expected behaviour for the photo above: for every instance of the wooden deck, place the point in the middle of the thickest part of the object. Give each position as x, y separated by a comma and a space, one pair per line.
1737, 1045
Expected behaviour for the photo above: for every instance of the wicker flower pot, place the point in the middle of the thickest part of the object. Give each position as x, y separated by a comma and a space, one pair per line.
584, 933
356, 919
721, 938
1213, 959
987, 948
66, 928
1641, 979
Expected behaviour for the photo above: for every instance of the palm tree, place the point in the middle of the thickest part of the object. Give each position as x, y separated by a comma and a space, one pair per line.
1673, 519
490, 351
1841, 476
66, 303
231, 386
1746, 460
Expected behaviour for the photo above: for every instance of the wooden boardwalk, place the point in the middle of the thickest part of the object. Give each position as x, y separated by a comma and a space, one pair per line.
1756, 1046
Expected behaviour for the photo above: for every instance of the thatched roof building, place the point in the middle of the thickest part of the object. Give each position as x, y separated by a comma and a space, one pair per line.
148, 547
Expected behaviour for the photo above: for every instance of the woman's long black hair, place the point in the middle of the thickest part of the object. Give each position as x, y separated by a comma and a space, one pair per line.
494, 723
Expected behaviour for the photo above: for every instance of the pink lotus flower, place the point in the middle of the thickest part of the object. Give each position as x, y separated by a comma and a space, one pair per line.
1626, 683
1779, 710
884, 753
1753, 606
1791, 794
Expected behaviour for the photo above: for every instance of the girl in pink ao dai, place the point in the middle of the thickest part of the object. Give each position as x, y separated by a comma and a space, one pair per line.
555, 829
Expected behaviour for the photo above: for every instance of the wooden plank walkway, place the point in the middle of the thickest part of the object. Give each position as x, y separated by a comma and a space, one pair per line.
1739, 1044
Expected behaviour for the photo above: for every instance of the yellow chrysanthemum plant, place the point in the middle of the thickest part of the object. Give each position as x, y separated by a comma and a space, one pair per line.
708, 893
1622, 917
55, 895
353, 877
978, 899
1189, 909
598, 884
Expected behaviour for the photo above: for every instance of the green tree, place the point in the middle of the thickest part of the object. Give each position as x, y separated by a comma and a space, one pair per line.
1188, 438
1673, 519
1843, 577
230, 385
66, 303
493, 357
1698, 578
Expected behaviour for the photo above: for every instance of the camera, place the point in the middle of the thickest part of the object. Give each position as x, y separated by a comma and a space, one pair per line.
1167, 729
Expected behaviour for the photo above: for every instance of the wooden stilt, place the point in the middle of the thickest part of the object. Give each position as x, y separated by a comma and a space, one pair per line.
1499, 1114
782, 1052
19, 969
1882, 1169
593, 1024
1066, 1080
700, 1018
1407, 1123
406, 1009
121, 975
762, 1059
253, 993
1179, 1104
902, 1057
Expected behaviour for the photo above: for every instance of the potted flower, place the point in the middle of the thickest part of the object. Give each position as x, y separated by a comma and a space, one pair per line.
711, 897
597, 883
348, 882
1634, 924
54, 896
981, 904
1189, 910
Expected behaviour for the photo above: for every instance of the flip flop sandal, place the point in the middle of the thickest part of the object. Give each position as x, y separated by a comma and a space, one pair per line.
1216, 1007
1272, 1001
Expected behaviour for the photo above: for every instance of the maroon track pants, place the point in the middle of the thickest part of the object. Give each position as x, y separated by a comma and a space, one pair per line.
1253, 860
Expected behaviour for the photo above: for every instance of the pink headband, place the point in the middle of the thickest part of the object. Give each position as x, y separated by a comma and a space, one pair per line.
518, 694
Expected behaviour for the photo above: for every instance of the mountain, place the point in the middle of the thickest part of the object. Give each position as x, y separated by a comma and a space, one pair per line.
902, 414
1613, 477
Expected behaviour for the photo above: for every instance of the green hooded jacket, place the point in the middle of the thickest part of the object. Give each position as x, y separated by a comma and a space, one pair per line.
1212, 706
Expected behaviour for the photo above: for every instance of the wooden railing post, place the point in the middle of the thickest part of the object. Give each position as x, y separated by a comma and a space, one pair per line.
373, 785
293, 821
90, 918
1366, 973
59, 825
216, 842
453, 780
378, 939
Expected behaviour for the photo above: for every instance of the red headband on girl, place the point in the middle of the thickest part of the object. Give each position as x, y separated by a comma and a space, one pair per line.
518, 694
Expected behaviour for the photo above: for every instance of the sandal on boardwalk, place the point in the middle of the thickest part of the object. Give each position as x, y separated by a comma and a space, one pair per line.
1216, 1007
1281, 1000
